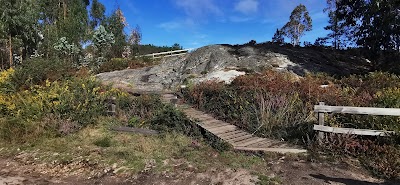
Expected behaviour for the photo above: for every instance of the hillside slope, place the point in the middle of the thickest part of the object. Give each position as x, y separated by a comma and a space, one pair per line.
226, 60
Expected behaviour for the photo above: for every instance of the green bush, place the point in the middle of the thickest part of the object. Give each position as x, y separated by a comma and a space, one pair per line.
114, 64
76, 102
276, 104
103, 142
171, 120
37, 71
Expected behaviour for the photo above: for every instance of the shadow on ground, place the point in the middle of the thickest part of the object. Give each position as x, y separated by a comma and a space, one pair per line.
348, 181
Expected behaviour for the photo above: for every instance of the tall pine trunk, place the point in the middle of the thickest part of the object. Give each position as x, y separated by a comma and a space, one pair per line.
10, 50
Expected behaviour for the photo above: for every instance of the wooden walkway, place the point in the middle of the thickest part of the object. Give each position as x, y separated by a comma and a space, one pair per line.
238, 138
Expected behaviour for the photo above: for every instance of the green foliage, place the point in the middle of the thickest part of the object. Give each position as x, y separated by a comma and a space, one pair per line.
115, 24
134, 122
97, 11
102, 40
74, 21
300, 21
171, 120
149, 48
114, 64
278, 37
67, 50
37, 71
18, 21
104, 142
265, 180
274, 104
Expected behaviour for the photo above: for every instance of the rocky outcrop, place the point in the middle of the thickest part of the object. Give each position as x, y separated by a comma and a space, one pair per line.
225, 62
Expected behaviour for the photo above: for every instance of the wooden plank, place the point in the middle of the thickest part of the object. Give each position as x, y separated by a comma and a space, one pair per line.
249, 141
174, 55
223, 129
240, 138
365, 132
167, 52
321, 120
262, 144
214, 125
204, 119
278, 150
226, 134
234, 135
358, 110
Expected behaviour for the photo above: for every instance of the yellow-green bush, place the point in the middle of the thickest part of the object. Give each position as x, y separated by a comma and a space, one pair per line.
80, 100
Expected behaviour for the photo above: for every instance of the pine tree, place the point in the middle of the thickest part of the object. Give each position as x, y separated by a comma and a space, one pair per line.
278, 37
97, 11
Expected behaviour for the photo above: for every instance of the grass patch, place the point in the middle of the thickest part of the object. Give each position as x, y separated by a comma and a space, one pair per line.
103, 142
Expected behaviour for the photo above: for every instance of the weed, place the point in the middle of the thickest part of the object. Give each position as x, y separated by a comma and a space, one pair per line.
265, 180
103, 142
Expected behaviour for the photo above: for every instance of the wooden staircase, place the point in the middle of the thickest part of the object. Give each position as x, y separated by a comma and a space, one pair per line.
238, 138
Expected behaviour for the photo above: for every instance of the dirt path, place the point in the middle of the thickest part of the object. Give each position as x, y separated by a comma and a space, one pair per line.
286, 171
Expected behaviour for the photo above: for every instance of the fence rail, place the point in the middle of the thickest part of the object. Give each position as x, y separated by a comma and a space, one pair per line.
167, 53
321, 109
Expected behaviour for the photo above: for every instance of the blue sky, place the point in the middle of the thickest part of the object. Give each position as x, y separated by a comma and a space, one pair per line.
196, 23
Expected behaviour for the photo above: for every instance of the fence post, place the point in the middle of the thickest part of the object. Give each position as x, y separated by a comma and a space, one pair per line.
321, 120
112, 106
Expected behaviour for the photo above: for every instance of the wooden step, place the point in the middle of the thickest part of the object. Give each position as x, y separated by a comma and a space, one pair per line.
248, 141
241, 133
278, 150
240, 139
222, 129
232, 133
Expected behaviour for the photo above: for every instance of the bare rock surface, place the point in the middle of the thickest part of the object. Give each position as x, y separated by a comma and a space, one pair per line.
213, 62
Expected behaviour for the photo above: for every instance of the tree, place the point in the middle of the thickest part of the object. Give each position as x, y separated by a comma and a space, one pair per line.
371, 24
62, 18
335, 26
300, 21
116, 24
135, 37
176, 46
97, 11
278, 37
19, 22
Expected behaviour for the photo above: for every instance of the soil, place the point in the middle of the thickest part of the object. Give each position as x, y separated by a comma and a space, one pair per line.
287, 171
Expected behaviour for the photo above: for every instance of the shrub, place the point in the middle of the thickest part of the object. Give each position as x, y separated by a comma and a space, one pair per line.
257, 102
114, 64
171, 120
37, 71
104, 141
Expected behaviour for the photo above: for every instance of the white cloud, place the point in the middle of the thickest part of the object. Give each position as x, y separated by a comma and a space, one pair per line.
247, 6
240, 19
199, 8
171, 25
177, 24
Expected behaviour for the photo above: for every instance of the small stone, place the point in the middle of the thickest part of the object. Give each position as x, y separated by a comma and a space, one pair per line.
114, 166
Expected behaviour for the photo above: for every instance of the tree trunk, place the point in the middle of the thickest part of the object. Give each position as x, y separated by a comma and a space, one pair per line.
21, 54
65, 9
10, 50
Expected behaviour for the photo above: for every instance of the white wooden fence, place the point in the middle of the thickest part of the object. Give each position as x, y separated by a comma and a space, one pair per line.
167, 54
321, 109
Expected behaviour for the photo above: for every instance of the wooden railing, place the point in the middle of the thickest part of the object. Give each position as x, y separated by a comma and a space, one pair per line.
167, 54
321, 109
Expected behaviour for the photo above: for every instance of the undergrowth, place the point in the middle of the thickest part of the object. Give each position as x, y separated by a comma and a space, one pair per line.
279, 105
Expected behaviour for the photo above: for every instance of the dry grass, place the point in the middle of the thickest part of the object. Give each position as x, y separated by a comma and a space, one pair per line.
133, 153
